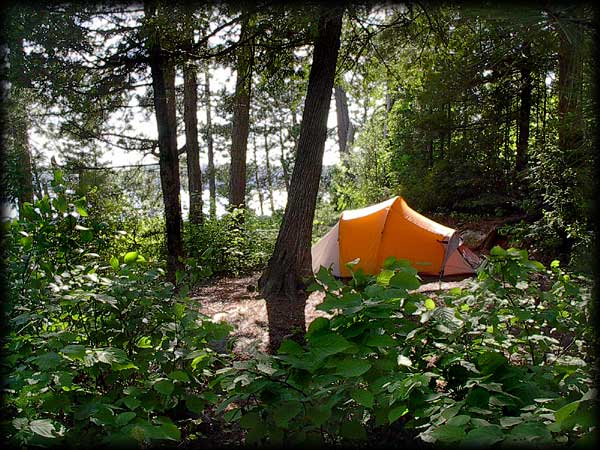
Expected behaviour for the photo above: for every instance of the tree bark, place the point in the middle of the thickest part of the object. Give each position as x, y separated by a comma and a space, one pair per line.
241, 122
283, 282
20, 135
524, 113
163, 84
192, 148
261, 199
282, 159
343, 119
212, 190
268, 171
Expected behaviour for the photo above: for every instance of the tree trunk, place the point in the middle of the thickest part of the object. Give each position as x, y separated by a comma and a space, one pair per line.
212, 190
284, 164
20, 132
163, 84
21, 141
268, 169
192, 149
241, 122
261, 199
343, 119
283, 282
524, 114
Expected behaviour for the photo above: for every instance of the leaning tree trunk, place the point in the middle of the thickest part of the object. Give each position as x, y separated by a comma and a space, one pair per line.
163, 84
241, 122
192, 149
283, 281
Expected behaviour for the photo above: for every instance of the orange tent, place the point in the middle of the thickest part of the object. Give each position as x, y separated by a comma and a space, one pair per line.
392, 228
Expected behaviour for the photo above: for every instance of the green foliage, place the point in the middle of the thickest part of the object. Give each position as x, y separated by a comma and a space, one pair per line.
500, 362
97, 351
238, 242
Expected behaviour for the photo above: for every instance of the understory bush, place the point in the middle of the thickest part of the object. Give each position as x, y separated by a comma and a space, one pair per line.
238, 242
96, 351
502, 361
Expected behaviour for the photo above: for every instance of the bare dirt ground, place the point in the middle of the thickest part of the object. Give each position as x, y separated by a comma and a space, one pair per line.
236, 301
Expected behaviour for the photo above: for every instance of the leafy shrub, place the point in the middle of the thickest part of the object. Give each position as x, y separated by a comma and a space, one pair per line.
239, 242
97, 351
501, 361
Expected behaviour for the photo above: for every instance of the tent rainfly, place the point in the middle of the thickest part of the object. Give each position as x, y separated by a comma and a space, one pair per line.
392, 228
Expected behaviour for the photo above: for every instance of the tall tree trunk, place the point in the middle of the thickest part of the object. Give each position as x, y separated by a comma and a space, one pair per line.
282, 282
20, 135
241, 122
388, 108
524, 114
163, 84
212, 190
261, 199
192, 149
21, 142
282, 159
343, 119
268, 168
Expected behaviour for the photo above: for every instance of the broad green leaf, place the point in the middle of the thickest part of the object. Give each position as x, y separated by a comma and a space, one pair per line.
112, 356
285, 411
498, 251
114, 262
328, 344
397, 412
564, 412
48, 360
429, 304
170, 431
363, 397
385, 276
74, 351
60, 203
124, 418
179, 375
405, 280
448, 434
350, 300
319, 323
404, 361
352, 367
530, 432
43, 427
380, 340
132, 403
290, 347
130, 257
485, 436
319, 414
459, 420
164, 386
251, 420
195, 404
